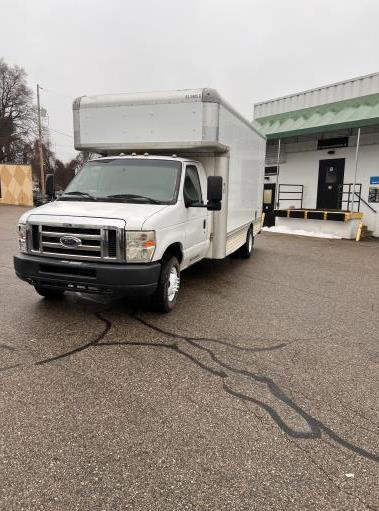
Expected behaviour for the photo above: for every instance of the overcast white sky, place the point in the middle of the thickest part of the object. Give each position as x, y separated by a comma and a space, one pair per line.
249, 50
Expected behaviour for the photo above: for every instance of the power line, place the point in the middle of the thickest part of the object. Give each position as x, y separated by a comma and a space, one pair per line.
45, 89
65, 145
58, 93
61, 133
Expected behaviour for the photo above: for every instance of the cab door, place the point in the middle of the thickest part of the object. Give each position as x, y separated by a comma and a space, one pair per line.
196, 223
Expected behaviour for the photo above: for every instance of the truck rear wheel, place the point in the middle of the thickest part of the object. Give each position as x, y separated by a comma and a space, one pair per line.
247, 248
48, 292
166, 294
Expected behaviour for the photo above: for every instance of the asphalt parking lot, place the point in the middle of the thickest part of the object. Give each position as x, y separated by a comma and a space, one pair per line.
259, 392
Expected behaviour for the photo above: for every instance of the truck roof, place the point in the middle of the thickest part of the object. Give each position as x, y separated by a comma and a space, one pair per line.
149, 98
180, 121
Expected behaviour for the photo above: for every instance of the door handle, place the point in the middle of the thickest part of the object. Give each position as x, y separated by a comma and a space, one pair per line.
204, 224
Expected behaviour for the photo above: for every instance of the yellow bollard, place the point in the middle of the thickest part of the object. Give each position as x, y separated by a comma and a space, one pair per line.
359, 232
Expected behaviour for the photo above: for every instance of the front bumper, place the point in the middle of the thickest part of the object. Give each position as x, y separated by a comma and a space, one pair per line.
84, 276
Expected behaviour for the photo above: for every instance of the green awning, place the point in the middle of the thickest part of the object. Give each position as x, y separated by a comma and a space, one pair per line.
351, 113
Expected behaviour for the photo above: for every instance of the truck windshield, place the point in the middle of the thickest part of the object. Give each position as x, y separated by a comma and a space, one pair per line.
126, 180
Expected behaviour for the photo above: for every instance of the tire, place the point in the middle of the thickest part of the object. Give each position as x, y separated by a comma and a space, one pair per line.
164, 298
247, 248
47, 292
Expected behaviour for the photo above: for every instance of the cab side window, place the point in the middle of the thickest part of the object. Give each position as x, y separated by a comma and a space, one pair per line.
192, 188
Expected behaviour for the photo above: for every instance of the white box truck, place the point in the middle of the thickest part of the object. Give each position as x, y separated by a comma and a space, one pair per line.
180, 179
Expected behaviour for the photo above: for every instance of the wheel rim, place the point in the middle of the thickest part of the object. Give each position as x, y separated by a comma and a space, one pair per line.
250, 242
173, 284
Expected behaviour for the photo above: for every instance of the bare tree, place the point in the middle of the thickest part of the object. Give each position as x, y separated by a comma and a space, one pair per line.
82, 158
64, 172
18, 116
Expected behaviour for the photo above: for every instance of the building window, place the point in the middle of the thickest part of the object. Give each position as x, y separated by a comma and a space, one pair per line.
271, 171
267, 196
331, 176
330, 143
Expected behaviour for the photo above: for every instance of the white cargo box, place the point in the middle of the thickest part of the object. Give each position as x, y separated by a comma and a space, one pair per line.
188, 119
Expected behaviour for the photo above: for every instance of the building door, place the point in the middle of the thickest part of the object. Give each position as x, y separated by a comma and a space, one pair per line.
269, 204
330, 183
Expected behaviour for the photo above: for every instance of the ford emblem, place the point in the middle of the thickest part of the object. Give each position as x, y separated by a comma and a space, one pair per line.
70, 241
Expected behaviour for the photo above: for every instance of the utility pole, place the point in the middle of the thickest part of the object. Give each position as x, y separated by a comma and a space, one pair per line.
42, 173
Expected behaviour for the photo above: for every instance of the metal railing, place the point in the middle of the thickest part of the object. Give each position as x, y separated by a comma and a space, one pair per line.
296, 193
358, 199
347, 189
347, 197
366, 204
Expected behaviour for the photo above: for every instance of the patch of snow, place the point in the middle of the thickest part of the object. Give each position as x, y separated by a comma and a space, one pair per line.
349, 475
299, 232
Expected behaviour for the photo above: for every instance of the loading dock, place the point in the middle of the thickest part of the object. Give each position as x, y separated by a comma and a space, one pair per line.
344, 224
322, 154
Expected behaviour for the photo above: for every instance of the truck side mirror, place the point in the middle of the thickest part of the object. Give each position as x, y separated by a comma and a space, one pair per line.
214, 193
49, 185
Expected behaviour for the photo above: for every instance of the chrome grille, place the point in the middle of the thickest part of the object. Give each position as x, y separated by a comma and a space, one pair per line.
95, 243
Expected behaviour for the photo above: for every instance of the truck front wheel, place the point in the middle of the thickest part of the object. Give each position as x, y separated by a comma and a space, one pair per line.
48, 292
247, 248
168, 286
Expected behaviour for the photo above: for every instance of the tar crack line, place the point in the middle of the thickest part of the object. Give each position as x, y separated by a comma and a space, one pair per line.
316, 427
223, 370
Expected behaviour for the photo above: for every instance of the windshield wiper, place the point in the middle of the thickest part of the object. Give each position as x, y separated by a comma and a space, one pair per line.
80, 194
132, 196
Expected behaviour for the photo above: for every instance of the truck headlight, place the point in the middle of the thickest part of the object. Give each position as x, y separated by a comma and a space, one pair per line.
140, 246
22, 238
